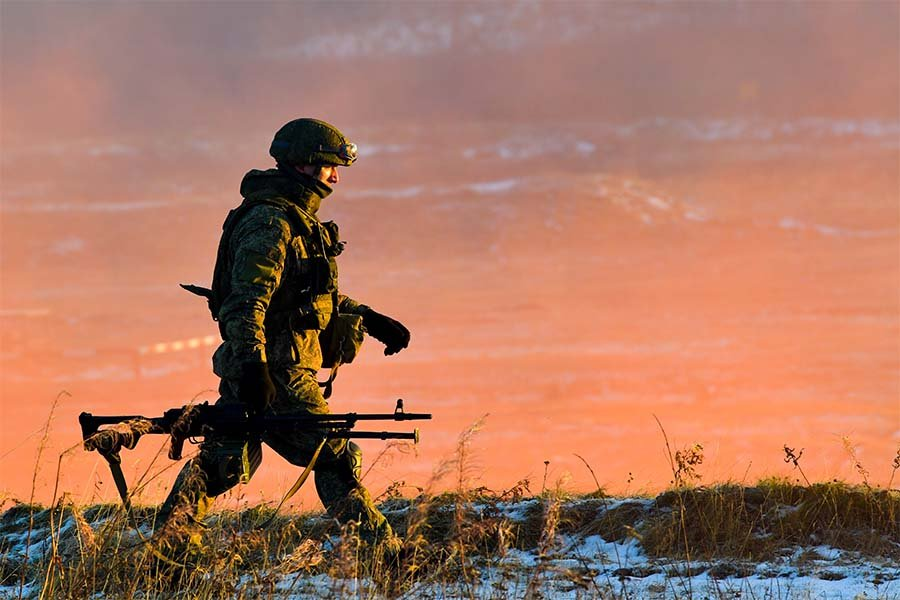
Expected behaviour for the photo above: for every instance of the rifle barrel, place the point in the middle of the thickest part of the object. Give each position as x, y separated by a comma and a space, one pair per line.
375, 435
338, 418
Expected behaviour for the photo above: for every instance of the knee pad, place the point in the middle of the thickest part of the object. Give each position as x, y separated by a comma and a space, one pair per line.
352, 458
228, 463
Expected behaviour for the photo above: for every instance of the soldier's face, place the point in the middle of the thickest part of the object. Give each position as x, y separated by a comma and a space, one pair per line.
324, 173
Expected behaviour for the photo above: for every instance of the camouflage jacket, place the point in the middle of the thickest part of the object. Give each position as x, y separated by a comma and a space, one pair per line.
279, 278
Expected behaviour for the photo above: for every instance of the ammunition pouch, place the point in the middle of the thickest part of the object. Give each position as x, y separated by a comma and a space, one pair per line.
320, 273
341, 339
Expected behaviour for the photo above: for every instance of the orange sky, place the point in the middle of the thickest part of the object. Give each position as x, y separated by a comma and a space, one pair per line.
587, 214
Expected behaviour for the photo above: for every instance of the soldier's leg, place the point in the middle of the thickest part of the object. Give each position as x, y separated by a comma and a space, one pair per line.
344, 496
221, 464
337, 470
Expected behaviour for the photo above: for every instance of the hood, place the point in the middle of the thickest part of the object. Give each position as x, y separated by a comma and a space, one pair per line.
301, 189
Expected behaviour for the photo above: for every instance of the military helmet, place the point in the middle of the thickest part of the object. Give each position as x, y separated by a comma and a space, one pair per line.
312, 142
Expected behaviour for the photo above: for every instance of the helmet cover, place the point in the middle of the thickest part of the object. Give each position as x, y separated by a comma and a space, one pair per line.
312, 142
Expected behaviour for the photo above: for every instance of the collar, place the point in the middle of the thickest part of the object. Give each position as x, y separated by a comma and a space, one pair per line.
309, 191
298, 188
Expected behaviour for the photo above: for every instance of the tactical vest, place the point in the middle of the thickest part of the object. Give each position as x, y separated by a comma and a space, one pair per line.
315, 246
315, 307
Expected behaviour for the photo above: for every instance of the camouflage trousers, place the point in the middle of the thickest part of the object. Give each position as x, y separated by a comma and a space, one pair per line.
224, 462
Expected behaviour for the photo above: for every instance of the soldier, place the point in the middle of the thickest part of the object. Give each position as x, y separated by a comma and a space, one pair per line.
275, 296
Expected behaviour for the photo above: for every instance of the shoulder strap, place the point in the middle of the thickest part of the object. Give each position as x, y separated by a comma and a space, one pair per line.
291, 211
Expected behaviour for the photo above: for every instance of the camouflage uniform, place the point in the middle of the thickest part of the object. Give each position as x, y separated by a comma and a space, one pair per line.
282, 275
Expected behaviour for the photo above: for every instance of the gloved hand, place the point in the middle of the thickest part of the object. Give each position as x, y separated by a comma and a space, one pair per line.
386, 330
255, 387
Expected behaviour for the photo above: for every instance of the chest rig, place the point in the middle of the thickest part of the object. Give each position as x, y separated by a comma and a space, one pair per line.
307, 295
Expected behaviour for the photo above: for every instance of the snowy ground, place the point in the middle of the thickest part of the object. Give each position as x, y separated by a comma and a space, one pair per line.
592, 575
568, 565
593, 568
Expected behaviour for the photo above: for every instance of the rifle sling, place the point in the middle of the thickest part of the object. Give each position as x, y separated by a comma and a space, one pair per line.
297, 484
328, 385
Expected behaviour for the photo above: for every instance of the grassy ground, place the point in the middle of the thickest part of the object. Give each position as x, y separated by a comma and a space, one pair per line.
776, 539
451, 540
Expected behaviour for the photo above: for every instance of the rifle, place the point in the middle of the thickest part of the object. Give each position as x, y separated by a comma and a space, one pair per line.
201, 420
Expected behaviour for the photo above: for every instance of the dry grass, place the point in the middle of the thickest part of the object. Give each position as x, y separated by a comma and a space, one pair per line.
77, 553
753, 522
451, 537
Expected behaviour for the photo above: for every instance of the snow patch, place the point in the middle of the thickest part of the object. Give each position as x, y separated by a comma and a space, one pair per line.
367, 150
493, 187
528, 147
398, 193
68, 245
112, 150
85, 207
792, 224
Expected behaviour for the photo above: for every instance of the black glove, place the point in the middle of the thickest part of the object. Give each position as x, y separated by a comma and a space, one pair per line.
255, 387
386, 330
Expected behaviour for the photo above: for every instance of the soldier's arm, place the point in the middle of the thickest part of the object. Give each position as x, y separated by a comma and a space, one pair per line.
348, 305
259, 246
